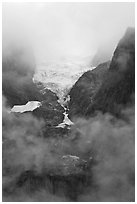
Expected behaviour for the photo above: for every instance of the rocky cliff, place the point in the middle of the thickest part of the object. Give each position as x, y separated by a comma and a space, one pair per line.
107, 88
83, 91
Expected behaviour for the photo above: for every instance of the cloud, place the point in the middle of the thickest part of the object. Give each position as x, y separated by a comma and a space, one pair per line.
57, 30
104, 142
18, 67
24, 148
53, 31
111, 144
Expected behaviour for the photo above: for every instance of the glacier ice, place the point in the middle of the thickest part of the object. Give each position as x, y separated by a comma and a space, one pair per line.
59, 78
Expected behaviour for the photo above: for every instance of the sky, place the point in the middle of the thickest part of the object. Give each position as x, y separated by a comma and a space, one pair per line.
57, 31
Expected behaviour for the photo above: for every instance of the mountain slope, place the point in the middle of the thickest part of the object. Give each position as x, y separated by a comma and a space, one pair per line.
85, 88
119, 84
107, 88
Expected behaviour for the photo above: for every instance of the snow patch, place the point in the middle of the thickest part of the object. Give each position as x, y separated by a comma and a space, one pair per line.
29, 106
70, 157
66, 121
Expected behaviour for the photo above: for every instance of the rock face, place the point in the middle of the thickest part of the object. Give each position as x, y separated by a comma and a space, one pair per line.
107, 88
85, 88
70, 185
52, 113
119, 83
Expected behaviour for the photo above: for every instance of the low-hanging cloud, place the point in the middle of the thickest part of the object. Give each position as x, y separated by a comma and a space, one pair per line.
66, 30
25, 149
18, 68
107, 142
111, 144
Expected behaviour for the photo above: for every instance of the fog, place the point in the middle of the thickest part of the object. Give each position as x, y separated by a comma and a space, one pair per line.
33, 165
58, 31
110, 144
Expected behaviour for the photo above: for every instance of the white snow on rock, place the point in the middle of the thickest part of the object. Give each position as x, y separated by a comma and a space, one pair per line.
29, 106
59, 77
70, 157
65, 122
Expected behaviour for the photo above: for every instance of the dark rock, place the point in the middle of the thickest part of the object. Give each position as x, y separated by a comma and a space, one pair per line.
119, 83
107, 88
51, 111
69, 184
84, 90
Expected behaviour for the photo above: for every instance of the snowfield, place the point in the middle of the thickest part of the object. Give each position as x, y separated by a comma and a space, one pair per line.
29, 106
59, 77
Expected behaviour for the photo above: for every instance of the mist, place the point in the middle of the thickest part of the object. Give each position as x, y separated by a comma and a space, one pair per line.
107, 141
64, 31
93, 159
